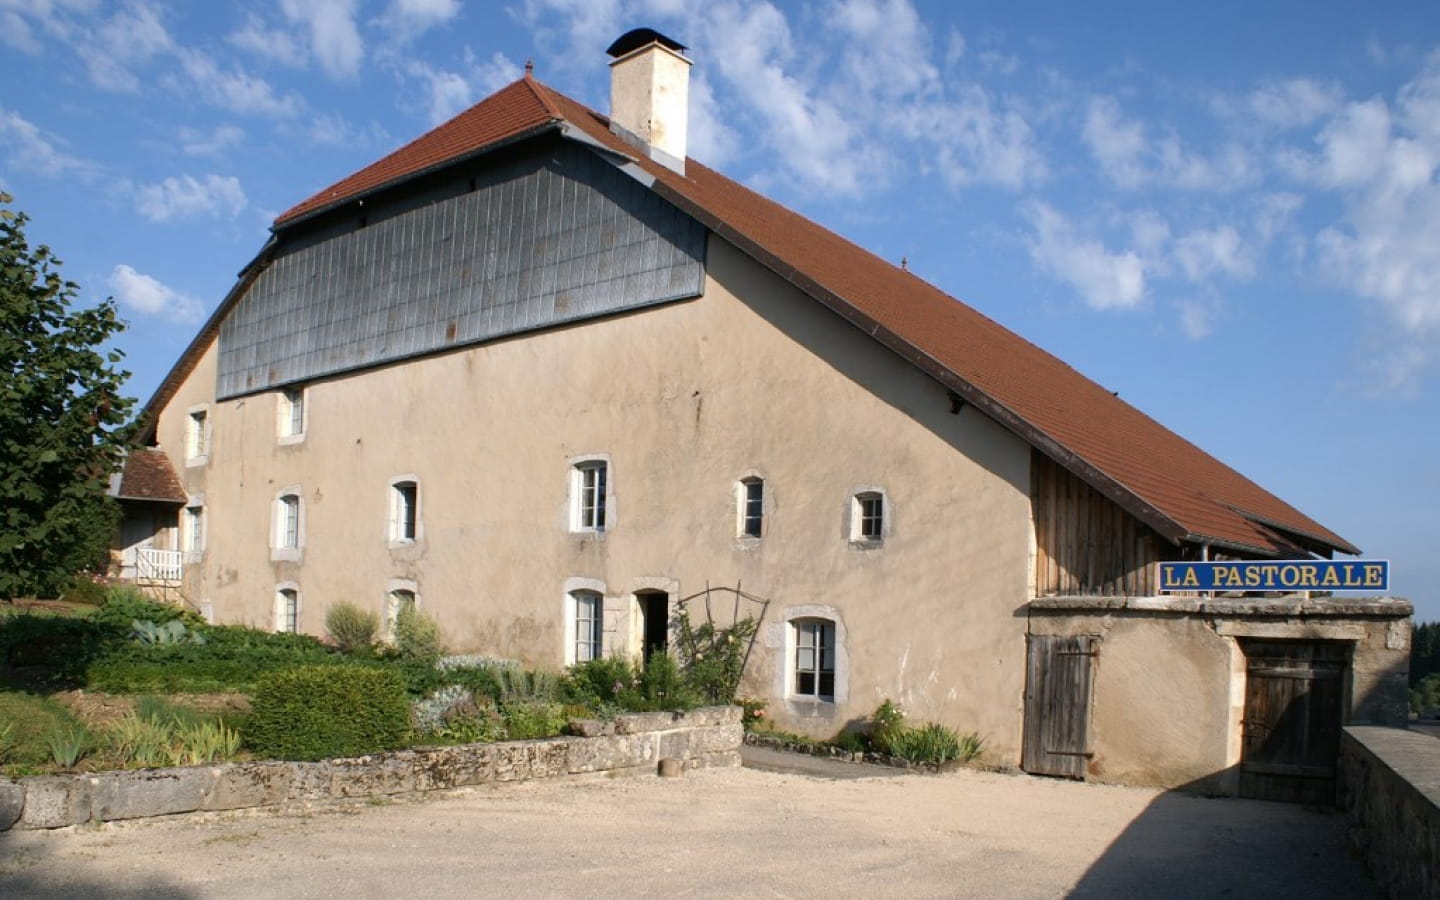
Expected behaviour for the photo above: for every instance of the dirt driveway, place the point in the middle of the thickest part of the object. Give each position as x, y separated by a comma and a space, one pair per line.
719, 833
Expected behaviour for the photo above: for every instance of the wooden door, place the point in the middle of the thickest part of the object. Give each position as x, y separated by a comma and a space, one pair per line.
1293, 710
1057, 705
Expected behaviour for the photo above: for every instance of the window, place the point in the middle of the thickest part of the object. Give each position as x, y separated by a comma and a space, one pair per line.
287, 610
752, 507
867, 517
589, 485
814, 658
197, 436
404, 511
400, 598
192, 530
587, 610
292, 413
288, 532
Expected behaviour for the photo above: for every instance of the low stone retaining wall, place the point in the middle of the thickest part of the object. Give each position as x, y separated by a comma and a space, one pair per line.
1390, 792
632, 743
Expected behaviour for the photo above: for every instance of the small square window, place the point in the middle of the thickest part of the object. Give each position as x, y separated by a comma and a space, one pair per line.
752, 507
867, 517
404, 511
590, 484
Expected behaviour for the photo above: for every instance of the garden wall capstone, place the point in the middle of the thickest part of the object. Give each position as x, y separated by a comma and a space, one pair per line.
1390, 793
629, 744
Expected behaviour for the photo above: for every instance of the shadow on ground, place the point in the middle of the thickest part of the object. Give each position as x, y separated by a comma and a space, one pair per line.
27, 871
1185, 845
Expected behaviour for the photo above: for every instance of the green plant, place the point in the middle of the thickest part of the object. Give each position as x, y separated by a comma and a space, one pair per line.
315, 712
529, 719
712, 657
539, 685
8, 741
850, 742
62, 417
68, 744
202, 742
138, 740
31, 719
172, 632
417, 636
752, 712
125, 604
350, 627
84, 588
886, 725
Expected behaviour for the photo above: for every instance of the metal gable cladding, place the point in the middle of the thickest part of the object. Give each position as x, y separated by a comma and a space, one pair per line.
537, 242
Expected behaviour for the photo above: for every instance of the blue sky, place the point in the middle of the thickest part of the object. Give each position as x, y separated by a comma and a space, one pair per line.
1227, 212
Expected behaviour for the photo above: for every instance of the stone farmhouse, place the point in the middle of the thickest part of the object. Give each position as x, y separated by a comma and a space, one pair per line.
543, 375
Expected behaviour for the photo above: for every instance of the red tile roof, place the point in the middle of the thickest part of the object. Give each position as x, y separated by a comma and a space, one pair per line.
148, 475
1177, 488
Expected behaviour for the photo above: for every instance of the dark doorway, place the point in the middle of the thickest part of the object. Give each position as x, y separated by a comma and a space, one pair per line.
655, 622
1294, 706
1057, 705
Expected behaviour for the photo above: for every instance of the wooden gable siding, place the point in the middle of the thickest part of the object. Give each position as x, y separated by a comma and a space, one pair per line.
1086, 544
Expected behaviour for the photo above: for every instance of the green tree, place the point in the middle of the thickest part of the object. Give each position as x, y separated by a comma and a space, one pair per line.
61, 418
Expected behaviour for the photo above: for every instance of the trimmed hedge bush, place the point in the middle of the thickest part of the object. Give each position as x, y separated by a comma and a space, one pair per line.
322, 712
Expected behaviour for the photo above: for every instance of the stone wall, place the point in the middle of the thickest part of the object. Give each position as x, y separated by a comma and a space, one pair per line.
629, 744
1390, 792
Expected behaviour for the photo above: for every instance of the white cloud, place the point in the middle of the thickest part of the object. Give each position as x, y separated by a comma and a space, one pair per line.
150, 297
1131, 158
1106, 280
1197, 318
210, 143
187, 197
31, 149
710, 138
15, 33
235, 90
405, 20
1206, 252
130, 38
275, 44
1293, 103
447, 93
334, 37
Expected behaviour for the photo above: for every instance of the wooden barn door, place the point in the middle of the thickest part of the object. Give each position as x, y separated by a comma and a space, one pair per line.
1293, 709
1057, 705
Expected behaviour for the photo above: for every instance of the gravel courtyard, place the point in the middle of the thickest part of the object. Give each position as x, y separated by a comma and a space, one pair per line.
718, 833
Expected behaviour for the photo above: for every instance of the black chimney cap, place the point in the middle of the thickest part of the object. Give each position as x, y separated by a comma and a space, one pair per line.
636, 38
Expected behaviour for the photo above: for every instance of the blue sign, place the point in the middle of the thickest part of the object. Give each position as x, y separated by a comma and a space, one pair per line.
1285, 576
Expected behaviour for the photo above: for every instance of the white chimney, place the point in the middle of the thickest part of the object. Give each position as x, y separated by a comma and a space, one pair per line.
650, 95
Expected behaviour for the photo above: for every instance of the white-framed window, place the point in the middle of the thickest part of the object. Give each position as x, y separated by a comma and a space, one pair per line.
590, 495
404, 510
750, 503
287, 528
814, 662
287, 608
401, 595
587, 615
290, 414
869, 516
197, 436
192, 527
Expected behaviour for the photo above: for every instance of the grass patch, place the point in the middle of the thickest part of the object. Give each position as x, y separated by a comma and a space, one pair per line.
33, 721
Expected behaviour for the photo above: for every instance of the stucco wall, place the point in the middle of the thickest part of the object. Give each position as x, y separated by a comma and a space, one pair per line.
1169, 679
1390, 792
683, 399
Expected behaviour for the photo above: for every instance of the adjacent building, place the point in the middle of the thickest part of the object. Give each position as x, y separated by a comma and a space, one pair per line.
541, 374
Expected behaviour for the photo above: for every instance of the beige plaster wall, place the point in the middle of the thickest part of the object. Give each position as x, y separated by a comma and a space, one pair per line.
684, 399
1168, 693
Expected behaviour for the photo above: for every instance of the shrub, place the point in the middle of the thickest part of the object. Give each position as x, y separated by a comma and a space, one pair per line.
416, 635
318, 712
86, 589
599, 681
850, 742
62, 645
712, 658
529, 719
887, 724
351, 627
125, 604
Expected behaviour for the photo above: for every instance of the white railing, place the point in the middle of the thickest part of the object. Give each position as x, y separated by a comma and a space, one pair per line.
157, 565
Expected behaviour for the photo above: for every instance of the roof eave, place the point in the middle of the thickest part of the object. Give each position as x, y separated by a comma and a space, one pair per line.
284, 224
